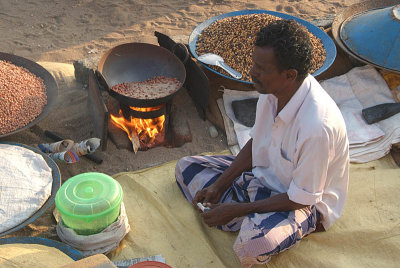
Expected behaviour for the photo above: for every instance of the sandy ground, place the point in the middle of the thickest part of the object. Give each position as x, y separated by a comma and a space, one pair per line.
64, 31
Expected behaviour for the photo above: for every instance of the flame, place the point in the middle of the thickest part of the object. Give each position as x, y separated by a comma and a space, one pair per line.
147, 109
150, 132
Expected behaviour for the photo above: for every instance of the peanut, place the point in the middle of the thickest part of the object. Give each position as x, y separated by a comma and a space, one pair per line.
22, 97
233, 39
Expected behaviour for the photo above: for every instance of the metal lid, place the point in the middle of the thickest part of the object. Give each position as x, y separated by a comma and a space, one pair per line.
374, 35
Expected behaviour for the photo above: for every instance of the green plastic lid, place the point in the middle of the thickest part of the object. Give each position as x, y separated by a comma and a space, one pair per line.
89, 195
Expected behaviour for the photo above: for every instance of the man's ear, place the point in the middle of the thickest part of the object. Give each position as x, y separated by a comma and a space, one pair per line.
291, 74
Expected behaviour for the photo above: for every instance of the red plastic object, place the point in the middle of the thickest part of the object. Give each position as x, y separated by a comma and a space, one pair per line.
150, 264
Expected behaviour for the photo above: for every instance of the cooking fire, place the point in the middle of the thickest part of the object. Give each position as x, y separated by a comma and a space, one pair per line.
143, 133
155, 84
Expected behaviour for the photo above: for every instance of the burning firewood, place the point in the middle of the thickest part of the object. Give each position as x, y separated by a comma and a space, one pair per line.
135, 141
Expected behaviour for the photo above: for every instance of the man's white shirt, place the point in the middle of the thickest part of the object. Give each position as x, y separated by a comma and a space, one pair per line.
303, 150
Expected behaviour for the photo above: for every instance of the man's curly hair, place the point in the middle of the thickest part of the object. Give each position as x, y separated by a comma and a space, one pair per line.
291, 43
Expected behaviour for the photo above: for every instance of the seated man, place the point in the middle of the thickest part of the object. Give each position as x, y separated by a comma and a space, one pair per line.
291, 177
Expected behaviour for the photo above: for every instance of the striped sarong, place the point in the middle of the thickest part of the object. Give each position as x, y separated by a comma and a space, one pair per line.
261, 235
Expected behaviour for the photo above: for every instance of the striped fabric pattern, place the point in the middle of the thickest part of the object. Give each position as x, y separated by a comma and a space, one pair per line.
260, 235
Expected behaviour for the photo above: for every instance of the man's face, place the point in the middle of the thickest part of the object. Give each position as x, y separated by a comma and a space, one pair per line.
267, 78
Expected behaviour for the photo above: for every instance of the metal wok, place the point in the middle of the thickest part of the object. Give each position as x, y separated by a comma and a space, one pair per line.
48, 79
134, 62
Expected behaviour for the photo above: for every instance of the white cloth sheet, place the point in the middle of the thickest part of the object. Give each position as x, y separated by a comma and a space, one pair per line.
360, 88
25, 184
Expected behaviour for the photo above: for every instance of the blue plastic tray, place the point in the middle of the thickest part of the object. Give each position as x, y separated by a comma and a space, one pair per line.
328, 43
68, 250
55, 186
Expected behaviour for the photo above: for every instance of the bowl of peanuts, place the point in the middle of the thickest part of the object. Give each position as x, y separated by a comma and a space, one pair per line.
27, 93
232, 36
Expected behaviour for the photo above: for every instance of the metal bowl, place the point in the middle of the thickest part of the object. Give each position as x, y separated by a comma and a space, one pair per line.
133, 62
328, 43
48, 79
54, 188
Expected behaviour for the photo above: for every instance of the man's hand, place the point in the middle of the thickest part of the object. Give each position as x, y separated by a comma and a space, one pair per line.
210, 195
219, 214
213, 193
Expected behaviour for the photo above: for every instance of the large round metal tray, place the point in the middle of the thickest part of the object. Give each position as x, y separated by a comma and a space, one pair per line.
48, 79
328, 43
54, 188
66, 249
350, 12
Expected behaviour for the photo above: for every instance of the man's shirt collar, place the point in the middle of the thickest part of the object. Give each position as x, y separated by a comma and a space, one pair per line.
292, 107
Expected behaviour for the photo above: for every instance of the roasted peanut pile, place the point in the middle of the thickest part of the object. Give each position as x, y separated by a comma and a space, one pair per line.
22, 97
233, 39
153, 88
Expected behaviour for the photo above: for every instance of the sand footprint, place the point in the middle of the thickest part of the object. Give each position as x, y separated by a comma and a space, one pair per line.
60, 19
288, 9
251, 6
338, 4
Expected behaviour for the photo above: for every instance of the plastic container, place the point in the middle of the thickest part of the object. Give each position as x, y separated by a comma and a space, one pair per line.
89, 202
150, 264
